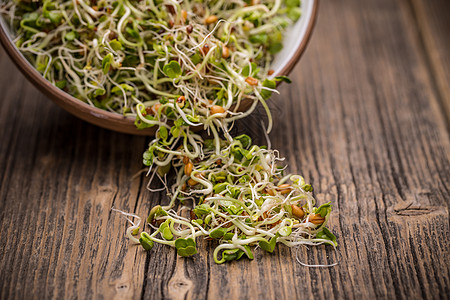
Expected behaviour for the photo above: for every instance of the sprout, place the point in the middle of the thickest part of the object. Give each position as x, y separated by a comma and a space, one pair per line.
173, 69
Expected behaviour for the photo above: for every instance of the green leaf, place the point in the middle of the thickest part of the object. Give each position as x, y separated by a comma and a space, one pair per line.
127, 88
228, 236
61, 84
285, 231
163, 133
55, 17
218, 233
208, 144
261, 38
294, 13
115, 45
283, 78
164, 170
185, 247
164, 228
308, 188
156, 211
146, 241
175, 131
192, 119
245, 140
99, 92
246, 70
268, 83
248, 252
326, 235
201, 210
268, 246
275, 47
106, 63
28, 22
220, 187
293, 3
179, 122
172, 69
231, 254
70, 36
180, 243
196, 58
198, 221
135, 231
191, 242
324, 209
142, 125
132, 32
189, 251
167, 234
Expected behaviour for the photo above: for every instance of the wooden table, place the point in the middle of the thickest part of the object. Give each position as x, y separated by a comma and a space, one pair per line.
365, 121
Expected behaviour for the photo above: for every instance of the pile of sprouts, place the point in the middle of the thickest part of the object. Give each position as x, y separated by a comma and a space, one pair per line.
179, 65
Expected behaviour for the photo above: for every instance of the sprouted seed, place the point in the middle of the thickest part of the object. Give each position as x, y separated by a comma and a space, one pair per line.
131, 57
177, 65
240, 197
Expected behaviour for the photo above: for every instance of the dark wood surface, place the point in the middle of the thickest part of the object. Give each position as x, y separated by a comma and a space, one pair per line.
365, 121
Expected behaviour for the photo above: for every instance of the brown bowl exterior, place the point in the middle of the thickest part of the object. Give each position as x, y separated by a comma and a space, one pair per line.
101, 117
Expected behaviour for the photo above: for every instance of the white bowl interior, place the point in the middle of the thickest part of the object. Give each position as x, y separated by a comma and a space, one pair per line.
293, 36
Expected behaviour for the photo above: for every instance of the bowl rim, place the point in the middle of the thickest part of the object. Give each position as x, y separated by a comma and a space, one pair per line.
103, 118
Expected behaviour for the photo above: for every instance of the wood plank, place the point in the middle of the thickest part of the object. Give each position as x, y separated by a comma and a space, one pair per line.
433, 20
60, 178
361, 122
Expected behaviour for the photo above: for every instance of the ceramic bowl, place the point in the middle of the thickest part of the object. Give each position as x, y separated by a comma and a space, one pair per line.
294, 42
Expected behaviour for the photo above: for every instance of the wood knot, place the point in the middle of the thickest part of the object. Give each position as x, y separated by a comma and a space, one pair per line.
180, 285
122, 287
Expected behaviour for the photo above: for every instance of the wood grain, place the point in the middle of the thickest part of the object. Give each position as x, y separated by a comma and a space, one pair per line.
363, 122
433, 24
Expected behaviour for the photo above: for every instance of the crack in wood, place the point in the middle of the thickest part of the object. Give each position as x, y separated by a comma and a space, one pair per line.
415, 211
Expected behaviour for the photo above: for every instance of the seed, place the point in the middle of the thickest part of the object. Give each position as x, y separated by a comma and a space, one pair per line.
184, 15
171, 23
183, 187
171, 8
198, 10
205, 49
216, 109
155, 108
225, 52
186, 160
270, 192
213, 81
270, 72
188, 168
181, 101
284, 188
112, 35
251, 81
192, 182
316, 219
189, 29
211, 19
297, 211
